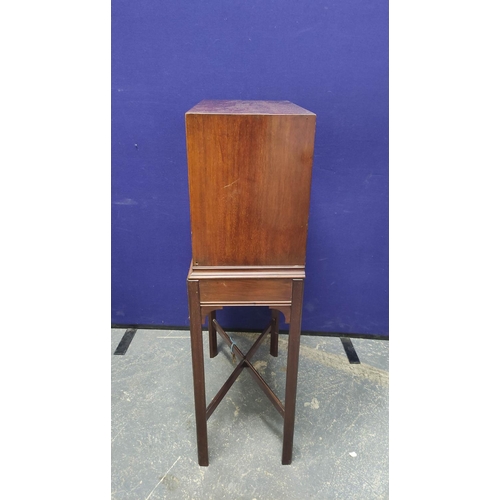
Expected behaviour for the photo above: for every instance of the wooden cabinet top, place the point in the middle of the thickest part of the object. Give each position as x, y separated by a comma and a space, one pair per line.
248, 108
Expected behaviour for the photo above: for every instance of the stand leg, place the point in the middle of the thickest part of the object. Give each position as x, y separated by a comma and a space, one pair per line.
292, 369
198, 370
274, 332
212, 335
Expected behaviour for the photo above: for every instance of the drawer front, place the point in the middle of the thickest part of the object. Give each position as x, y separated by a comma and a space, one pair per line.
245, 290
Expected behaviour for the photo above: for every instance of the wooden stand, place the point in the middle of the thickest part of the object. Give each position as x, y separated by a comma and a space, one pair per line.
249, 165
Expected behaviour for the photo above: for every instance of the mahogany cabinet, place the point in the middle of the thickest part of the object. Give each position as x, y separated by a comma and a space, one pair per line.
249, 171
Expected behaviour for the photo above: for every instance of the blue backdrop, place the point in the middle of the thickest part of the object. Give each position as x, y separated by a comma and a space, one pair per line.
330, 57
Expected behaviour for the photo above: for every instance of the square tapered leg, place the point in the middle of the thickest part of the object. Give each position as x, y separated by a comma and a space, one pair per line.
292, 370
275, 325
212, 335
198, 370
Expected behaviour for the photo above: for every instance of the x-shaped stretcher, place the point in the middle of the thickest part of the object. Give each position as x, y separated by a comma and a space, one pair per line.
244, 363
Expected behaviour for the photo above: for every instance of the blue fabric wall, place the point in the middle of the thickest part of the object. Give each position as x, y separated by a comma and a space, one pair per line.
330, 57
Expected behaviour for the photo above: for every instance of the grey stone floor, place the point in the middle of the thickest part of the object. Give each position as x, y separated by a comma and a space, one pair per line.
341, 425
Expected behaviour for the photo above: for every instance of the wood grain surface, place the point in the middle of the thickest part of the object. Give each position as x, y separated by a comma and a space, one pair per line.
264, 290
249, 182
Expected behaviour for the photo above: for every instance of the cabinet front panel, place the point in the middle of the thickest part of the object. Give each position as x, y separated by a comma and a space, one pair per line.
249, 186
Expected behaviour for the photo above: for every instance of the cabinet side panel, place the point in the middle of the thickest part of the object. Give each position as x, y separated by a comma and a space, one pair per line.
249, 185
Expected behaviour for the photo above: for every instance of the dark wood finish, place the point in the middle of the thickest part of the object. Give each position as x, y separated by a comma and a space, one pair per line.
252, 290
292, 370
257, 343
223, 390
244, 363
275, 328
235, 348
212, 334
249, 168
260, 273
225, 336
198, 370
267, 390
